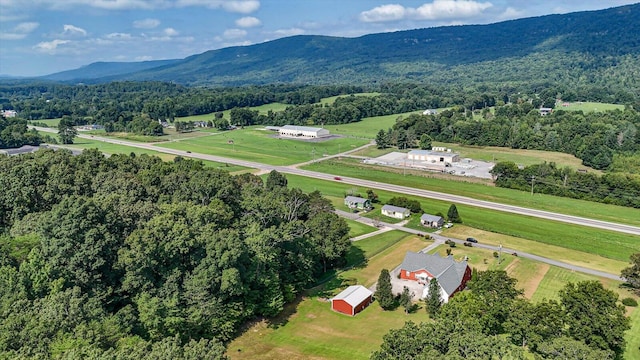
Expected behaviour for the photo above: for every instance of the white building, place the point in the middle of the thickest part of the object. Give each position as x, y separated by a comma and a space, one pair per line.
396, 212
302, 131
437, 157
9, 113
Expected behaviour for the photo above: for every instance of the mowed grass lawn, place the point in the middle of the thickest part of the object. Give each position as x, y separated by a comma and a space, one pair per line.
358, 228
368, 127
601, 243
259, 145
309, 329
353, 168
588, 106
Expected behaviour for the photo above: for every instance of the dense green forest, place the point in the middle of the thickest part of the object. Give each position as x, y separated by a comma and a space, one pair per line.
14, 133
493, 321
130, 257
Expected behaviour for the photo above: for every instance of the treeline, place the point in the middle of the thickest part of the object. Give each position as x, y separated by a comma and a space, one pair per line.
593, 137
130, 257
547, 178
493, 321
14, 133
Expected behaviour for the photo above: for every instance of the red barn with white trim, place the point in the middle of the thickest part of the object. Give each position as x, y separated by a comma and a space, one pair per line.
352, 300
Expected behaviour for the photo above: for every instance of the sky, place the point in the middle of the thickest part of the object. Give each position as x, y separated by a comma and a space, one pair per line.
40, 37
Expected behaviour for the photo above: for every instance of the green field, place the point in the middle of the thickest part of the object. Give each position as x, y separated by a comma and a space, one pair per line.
367, 127
358, 228
353, 168
52, 123
253, 144
588, 106
603, 243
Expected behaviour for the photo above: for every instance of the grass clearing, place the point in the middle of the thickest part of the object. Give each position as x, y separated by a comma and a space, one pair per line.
331, 99
632, 350
368, 127
358, 228
52, 123
587, 106
259, 145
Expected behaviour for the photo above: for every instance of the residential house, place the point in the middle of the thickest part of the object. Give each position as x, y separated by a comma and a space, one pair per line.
395, 212
355, 202
452, 275
431, 221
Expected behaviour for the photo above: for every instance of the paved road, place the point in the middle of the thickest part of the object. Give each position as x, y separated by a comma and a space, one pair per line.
623, 228
439, 239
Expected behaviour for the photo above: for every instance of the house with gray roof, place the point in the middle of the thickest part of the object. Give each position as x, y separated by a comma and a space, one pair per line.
395, 212
431, 221
452, 275
356, 202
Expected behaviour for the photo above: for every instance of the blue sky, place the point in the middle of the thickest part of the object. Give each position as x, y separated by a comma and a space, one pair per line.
39, 37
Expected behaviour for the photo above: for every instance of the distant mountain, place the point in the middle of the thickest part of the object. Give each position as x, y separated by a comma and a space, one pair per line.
105, 69
583, 46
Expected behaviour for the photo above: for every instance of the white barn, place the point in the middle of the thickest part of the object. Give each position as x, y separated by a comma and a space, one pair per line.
437, 157
302, 131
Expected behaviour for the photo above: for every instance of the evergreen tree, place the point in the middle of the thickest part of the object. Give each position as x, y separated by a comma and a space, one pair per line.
452, 214
433, 300
384, 293
66, 131
405, 300
382, 140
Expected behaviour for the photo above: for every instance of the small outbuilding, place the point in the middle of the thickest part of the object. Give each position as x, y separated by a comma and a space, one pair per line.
431, 221
395, 212
355, 202
303, 131
352, 300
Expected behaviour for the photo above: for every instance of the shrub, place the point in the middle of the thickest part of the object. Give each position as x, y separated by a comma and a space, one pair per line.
495, 254
629, 302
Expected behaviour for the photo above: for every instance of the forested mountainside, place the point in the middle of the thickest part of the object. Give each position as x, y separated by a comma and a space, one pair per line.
595, 47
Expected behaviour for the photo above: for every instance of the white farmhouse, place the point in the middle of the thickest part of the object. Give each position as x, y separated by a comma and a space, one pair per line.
395, 212
302, 131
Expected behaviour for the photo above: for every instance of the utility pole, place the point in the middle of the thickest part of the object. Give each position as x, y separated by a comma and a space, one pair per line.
500, 253
533, 180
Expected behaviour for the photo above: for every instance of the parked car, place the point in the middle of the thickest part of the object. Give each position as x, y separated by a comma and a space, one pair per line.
468, 244
473, 240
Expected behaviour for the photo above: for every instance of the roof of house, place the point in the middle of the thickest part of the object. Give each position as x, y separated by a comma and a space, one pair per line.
301, 128
431, 218
396, 209
353, 295
448, 271
355, 199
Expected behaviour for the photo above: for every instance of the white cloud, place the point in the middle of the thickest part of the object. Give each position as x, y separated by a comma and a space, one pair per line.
237, 6
119, 36
143, 58
231, 34
170, 32
248, 22
450, 9
289, 32
511, 13
146, 23
50, 46
437, 10
383, 13
70, 30
20, 31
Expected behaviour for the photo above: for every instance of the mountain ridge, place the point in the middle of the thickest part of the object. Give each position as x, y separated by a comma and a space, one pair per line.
423, 53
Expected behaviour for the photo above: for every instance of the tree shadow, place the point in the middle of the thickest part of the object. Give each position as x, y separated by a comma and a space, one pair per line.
283, 318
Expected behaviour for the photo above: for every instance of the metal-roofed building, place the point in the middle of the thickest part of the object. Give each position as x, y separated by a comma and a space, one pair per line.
395, 211
352, 300
302, 131
431, 221
452, 276
356, 202
430, 156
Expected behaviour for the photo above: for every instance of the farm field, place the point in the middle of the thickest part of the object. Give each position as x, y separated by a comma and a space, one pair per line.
353, 168
309, 329
587, 106
602, 243
258, 145
367, 127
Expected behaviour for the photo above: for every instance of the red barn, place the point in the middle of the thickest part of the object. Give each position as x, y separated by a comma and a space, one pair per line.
352, 300
452, 276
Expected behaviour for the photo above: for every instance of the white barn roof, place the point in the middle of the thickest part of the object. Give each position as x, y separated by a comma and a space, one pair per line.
354, 295
301, 128
392, 208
